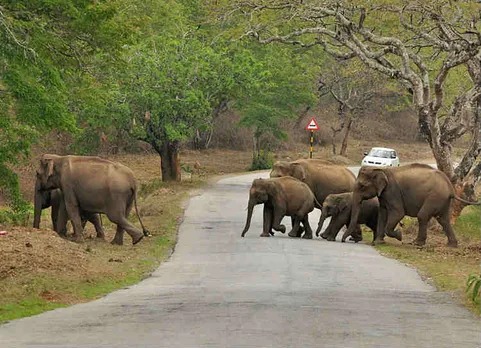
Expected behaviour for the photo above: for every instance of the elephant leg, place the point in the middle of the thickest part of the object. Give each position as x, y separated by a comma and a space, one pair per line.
392, 221
381, 225
295, 227
267, 222
59, 218
119, 236
276, 221
333, 229
119, 217
356, 236
73, 213
96, 220
423, 218
307, 227
300, 229
444, 221
328, 231
373, 226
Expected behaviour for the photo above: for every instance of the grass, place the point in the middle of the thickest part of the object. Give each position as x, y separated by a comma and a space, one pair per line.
27, 307
446, 268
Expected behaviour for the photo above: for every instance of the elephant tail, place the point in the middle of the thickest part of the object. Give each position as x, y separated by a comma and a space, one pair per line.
317, 204
146, 232
464, 201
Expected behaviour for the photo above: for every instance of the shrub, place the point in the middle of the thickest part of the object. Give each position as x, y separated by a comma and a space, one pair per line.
262, 160
474, 286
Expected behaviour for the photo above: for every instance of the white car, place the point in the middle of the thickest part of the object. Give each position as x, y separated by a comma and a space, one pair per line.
380, 156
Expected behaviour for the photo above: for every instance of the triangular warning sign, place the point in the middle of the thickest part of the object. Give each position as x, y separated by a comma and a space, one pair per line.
312, 125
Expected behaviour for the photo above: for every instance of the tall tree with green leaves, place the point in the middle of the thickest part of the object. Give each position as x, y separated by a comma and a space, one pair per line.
38, 51
287, 82
173, 83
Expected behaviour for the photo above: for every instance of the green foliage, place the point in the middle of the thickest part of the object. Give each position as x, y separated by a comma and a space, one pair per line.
19, 209
262, 160
473, 285
286, 82
47, 47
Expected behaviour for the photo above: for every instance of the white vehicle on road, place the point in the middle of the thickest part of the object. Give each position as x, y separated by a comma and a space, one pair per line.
381, 156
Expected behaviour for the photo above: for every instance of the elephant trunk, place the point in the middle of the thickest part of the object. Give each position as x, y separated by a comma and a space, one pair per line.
250, 209
38, 202
356, 208
322, 218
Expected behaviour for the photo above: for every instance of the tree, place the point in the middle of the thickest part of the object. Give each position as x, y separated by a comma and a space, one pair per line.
353, 89
44, 44
287, 83
173, 84
430, 47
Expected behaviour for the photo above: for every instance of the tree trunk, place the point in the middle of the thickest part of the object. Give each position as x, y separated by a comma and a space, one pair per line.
463, 183
333, 140
169, 160
346, 137
456, 206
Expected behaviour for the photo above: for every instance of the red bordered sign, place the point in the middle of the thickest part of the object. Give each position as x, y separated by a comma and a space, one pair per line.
312, 125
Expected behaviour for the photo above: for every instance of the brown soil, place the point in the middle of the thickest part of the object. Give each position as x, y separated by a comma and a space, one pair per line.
40, 251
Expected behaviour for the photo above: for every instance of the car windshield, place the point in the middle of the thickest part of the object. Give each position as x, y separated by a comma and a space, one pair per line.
380, 153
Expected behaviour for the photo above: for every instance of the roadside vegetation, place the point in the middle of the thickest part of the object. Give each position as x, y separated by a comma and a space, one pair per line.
446, 268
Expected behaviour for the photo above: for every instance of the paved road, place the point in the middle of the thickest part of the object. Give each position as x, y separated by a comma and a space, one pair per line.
219, 290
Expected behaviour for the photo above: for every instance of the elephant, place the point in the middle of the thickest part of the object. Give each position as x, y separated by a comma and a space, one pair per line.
416, 190
54, 198
339, 206
322, 177
285, 196
93, 185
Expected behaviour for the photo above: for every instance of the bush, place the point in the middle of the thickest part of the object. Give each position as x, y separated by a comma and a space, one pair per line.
474, 286
18, 209
261, 161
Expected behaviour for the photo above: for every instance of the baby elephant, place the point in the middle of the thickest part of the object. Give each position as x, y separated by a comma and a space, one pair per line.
338, 207
285, 196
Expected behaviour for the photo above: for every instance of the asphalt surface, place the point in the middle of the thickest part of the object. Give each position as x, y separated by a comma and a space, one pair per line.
220, 290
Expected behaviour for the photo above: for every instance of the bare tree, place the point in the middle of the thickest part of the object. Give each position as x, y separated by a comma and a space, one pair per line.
421, 44
352, 90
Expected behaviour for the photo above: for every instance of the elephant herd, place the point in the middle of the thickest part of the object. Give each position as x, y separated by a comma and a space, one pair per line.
79, 188
378, 198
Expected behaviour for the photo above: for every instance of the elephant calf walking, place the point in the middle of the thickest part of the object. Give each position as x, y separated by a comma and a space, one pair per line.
285, 196
339, 206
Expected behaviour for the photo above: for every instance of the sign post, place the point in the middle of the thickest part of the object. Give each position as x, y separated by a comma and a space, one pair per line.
312, 126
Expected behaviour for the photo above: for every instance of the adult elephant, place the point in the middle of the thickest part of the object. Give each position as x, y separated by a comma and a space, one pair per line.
93, 185
322, 177
281, 197
416, 190
54, 198
339, 206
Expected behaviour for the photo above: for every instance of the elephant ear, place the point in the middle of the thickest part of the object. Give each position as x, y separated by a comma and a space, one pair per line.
380, 181
341, 204
298, 171
47, 162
